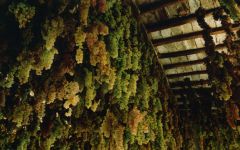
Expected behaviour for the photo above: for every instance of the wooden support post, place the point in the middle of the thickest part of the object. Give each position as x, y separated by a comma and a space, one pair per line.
173, 22
182, 64
192, 83
144, 8
188, 36
177, 75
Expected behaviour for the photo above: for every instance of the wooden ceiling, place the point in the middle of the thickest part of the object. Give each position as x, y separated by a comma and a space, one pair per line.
172, 27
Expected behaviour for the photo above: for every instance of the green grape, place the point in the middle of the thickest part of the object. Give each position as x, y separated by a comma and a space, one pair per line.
145, 92
79, 37
110, 3
21, 114
110, 19
129, 59
8, 81
79, 56
125, 81
88, 78
136, 59
24, 141
23, 71
117, 91
23, 12
111, 79
133, 84
223, 90
84, 10
46, 60
90, 95
113, 45
90, 89
51, 30
155, 85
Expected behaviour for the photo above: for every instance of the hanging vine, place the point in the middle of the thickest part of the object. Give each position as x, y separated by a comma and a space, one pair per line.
219, 76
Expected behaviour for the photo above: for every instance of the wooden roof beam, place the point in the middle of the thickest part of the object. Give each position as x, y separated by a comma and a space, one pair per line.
188, 36
183, 64
189, 51
177, 75
184, 91
159, 4
192, 83
173, 22
182, 53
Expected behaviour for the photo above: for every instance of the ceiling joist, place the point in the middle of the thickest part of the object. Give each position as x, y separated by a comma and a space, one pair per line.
182, 53
189, 51
183, 64
173, 22
191, 83
188, 36
144, 8
177, 75
187, 90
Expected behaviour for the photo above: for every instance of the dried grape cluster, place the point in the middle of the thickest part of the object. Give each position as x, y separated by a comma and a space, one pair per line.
83, 76
216, 64
80, 37
51, 30
23, 13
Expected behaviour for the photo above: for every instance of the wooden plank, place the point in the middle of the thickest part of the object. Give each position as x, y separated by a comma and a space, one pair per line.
191, 51
182, 53
188, 52
189, 36
173, 22
159, 4
184, 91
177, 75
183, 64
192, 83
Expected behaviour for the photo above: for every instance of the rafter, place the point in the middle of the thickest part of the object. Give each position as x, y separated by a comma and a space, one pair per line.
182, 53
173, 22
189, 51
177, 75
188, 36
144, 8
183, 64
184, 91
192, 83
